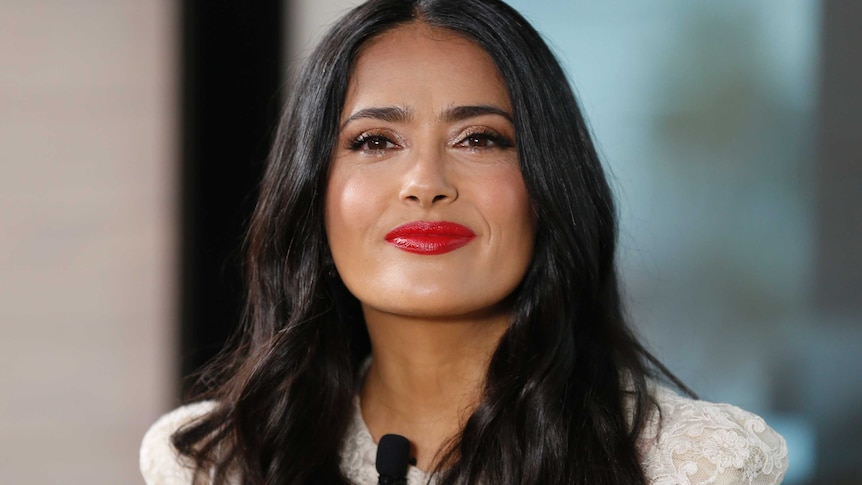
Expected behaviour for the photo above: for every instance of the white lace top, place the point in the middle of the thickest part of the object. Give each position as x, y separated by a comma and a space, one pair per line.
691, 442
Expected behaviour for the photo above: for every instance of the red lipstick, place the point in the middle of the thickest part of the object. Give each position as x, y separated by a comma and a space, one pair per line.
436, 237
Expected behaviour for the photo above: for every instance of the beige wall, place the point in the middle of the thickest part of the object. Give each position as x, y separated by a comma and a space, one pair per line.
87, 196
309, 21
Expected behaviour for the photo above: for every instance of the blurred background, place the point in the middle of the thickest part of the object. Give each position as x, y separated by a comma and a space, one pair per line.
133, 133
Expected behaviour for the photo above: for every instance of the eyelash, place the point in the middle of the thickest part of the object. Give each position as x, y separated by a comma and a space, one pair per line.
357, 143
498, 141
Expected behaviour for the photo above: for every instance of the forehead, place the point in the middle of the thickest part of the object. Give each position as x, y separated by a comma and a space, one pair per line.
417, 65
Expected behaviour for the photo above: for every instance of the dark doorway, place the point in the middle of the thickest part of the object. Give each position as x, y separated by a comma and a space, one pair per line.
230, 93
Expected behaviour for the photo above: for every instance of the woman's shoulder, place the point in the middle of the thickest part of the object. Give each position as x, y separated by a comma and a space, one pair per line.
160, 462
689, 441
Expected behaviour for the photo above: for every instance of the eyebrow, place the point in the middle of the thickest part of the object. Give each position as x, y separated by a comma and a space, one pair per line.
392, 114
398, 114
460, 113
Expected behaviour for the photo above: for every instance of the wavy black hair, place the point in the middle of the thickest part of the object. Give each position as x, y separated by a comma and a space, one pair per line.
565, 395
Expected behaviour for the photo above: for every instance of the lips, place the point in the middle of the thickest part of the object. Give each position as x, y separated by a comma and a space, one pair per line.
434, 237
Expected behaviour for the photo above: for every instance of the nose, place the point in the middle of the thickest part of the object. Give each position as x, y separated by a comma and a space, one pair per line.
427, 181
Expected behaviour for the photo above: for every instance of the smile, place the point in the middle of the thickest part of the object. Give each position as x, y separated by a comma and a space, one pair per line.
437, 237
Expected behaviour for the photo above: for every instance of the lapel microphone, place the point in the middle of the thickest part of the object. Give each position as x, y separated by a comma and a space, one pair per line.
393, 456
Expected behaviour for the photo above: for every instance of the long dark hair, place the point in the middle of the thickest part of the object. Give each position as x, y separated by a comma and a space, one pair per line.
566, 394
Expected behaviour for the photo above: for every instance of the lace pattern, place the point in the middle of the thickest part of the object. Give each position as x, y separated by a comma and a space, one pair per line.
698, 442
161, 463
359, 453
688, 443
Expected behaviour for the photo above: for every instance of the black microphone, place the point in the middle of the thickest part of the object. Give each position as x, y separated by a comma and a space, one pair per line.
393, 456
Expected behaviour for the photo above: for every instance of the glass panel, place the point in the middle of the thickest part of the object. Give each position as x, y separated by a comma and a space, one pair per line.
701, 111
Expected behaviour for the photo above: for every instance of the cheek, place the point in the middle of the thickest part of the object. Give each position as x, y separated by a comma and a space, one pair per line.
340, 208
351, 211
520, 226
507, 207
339, 195
508, 203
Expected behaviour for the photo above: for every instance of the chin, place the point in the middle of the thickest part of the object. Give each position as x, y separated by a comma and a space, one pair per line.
448, 306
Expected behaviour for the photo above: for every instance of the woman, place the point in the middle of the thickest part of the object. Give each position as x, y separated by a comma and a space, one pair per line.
432, 255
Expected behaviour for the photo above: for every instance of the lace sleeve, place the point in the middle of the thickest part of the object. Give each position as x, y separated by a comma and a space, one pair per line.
698, 442
160, 462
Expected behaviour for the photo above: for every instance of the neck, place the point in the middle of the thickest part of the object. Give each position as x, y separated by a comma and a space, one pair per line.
426, 376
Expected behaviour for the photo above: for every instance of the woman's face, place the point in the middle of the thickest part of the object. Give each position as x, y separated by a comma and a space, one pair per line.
427, 214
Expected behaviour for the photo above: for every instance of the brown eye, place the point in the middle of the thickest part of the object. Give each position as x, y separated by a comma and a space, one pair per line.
481, 140
372, 143
478, 141
376, 143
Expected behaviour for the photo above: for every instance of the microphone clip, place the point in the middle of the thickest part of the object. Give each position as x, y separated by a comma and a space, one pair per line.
393, 458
